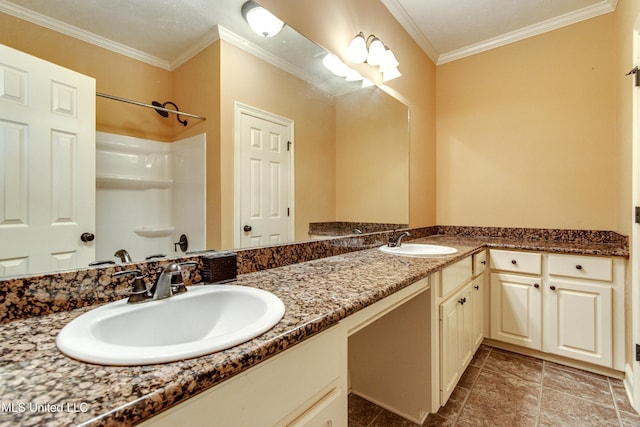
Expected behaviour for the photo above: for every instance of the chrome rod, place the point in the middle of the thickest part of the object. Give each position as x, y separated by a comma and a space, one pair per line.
142, 104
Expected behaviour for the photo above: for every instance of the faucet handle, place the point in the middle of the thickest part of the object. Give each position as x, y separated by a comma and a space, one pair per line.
177, 283
139, 292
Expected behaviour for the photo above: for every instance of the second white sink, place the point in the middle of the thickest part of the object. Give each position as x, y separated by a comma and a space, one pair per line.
418, 249
203, 320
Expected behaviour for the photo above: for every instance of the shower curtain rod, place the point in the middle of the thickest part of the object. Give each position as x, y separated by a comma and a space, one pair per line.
142, 104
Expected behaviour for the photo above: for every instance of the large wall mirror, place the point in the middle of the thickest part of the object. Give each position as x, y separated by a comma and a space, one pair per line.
350, 145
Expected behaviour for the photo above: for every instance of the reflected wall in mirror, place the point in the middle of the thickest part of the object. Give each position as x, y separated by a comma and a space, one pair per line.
350, 147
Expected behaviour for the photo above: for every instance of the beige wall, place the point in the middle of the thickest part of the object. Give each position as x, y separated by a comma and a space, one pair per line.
526, 132
372, 158
196, 85
115, 75
332, 24
251, 81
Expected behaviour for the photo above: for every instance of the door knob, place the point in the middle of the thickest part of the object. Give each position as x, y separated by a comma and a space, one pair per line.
247, 228
87, 237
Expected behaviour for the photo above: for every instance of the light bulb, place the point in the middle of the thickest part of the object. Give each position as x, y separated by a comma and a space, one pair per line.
335, 65
367, 83
390, 74
377, 52
357, 50
389, 62
353, 75
261, 21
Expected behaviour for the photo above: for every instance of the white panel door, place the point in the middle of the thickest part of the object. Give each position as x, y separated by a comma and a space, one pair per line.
47, 165
578, 321
265, 182
516, 304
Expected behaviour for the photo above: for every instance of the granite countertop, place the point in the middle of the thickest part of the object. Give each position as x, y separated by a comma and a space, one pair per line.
41, 386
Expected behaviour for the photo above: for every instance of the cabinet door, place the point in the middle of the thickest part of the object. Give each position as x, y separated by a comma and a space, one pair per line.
477, 302
516, 310
450, 332
578, 321
456, 339
466, 319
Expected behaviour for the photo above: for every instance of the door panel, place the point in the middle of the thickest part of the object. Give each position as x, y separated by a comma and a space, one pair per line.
47, 165
579, 319
516, 310
264, 182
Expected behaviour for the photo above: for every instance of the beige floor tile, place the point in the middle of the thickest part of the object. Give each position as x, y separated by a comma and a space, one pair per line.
577, 383
526, 368
503, 389
562, 409
361, 411
620, 396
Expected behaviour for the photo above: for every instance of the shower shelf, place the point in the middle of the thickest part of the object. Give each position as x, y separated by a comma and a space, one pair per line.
158, 231
131, 182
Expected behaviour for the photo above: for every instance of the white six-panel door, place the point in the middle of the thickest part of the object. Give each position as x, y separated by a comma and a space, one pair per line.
264, 181
47, 165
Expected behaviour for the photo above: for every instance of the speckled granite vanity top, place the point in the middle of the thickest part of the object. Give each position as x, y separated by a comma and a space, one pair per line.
41, 386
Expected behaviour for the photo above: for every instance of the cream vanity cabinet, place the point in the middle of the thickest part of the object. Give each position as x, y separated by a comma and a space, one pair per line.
461, 318
565, 305
303, 386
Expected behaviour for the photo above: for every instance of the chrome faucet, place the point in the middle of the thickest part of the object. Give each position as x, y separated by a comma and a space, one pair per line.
123, 255
396, 242
169, 281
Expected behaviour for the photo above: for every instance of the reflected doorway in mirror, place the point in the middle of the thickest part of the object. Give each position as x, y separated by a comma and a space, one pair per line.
263, 178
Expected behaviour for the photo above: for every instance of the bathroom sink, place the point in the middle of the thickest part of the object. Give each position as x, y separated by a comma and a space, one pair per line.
203, 320
417, 250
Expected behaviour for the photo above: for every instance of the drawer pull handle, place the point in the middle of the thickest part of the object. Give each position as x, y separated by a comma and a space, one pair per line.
536, 285
553, 288
578, 267
514, 262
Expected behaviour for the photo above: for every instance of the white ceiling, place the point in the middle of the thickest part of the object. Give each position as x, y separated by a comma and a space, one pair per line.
168, 32
452, 29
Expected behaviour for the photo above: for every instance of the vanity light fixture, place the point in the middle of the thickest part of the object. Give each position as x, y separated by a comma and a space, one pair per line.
261, 21
374, 52
340, 69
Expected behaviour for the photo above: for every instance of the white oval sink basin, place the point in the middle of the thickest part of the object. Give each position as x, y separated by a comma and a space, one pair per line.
203, 320
417, 249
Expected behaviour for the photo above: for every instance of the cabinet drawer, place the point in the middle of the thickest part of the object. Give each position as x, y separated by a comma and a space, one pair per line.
584, 267
455, 275
517, 262
479, 262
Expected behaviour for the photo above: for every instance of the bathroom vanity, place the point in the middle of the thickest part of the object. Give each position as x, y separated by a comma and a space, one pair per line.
396, 330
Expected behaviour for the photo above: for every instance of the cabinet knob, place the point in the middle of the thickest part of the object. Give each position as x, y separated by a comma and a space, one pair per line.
514, 262
578, 267
476, 287
536, 285
553, 288
483, 262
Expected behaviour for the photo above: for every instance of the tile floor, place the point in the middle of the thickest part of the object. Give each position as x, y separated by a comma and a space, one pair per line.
500, 388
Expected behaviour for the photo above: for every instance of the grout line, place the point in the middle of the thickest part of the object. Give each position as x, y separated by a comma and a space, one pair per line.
539, 414
615, 404
473, 384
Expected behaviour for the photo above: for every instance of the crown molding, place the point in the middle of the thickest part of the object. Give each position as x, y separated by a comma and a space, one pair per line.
401, 15
583, 14
410, 26
80, 34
